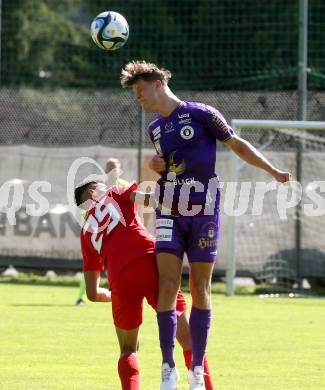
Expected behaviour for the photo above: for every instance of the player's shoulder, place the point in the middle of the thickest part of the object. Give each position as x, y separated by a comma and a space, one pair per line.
200, 107
154, 125
122, 191
195, 110
208, 112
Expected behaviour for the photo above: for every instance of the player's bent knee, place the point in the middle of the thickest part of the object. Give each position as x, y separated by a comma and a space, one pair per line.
91, 295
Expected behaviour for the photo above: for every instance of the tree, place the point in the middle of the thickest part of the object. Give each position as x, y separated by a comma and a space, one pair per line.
40, 40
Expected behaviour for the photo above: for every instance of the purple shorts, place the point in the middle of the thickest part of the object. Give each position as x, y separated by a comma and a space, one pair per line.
197, 236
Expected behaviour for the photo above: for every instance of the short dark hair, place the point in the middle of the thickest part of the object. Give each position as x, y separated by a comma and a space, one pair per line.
80, 189
136, 70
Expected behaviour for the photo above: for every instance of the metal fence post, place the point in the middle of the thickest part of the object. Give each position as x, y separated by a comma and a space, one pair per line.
302, 116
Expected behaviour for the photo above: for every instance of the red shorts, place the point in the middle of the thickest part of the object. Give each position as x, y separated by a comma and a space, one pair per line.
138, 280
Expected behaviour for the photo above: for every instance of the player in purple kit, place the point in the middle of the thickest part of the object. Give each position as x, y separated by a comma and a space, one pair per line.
184, 135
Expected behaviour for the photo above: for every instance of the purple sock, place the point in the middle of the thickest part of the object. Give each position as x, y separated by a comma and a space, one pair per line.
167, 323
200, 320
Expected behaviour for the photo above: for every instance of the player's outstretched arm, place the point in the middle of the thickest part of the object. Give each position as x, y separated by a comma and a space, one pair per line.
94, 292
251, 155
143, 198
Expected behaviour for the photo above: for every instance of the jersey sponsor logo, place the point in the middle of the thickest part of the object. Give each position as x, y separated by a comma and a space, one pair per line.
164, 222
206, 243
156, 137
220, 123
185, 121
169, 127
186, 115
164, 234
208, 237
187, 132
156, 131
179, 182
157, 146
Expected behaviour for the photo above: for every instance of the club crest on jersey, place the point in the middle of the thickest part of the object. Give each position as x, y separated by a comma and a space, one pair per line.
173, 167
187, 132
211, 232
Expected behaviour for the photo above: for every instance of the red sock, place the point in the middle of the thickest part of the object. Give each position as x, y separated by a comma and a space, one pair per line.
207, 376
128, 371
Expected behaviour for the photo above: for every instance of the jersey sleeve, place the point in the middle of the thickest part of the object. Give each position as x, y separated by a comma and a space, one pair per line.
149, 132
92, 261
124, 191
154, 133
217, 124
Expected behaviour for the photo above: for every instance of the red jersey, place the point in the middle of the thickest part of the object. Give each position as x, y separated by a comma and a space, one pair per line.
113, 235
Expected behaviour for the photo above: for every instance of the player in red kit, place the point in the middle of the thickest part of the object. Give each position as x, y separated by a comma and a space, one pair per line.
113, 238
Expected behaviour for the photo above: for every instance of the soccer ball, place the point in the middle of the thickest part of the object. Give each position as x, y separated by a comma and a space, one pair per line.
109, 30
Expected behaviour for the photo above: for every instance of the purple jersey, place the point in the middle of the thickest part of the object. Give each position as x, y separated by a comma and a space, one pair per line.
187, 141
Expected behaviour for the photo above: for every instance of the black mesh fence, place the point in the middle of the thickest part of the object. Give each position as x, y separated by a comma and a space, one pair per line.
112, 117
59, 88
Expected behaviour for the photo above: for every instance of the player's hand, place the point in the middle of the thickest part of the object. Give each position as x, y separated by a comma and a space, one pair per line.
282, 177
157, 164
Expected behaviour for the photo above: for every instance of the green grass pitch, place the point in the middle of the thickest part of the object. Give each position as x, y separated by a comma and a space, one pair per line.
255, 344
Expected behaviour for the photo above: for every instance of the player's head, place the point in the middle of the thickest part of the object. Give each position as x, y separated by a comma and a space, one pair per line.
113, 171
112, 163
88, 191
149, 83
